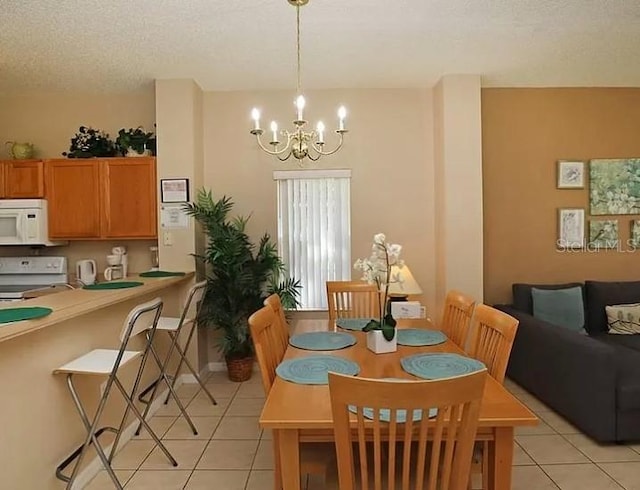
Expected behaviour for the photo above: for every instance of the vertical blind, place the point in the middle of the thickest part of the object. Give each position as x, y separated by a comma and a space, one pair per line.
314, 230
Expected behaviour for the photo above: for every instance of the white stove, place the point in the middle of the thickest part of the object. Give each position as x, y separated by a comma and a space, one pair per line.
20, 275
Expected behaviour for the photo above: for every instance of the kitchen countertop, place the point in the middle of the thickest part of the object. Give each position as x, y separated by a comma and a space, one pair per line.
76, 302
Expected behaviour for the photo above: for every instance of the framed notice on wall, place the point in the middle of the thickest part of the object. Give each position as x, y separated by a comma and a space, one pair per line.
174, 190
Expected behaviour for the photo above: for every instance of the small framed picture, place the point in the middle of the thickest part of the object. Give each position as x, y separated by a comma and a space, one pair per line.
570, 174
570, 228
174, 190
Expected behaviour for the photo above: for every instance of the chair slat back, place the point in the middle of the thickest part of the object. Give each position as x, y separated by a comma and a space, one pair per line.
493, 335
411, 462
456, 318
265, 333
352, 299
275, 304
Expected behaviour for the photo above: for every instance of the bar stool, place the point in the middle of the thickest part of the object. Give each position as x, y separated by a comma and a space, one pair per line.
107, 362
173, 326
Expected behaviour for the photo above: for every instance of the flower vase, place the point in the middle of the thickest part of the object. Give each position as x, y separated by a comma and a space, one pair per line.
133, 153
378, 344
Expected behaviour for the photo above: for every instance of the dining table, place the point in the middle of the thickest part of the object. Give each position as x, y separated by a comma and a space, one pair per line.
298, 413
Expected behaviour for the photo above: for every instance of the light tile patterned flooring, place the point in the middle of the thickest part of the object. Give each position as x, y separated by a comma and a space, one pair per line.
232, 453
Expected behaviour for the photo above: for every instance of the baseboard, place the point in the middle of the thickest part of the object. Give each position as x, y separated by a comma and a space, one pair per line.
215, 367
92, 469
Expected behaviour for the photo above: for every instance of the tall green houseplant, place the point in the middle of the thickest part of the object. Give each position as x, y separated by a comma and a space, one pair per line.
240, 275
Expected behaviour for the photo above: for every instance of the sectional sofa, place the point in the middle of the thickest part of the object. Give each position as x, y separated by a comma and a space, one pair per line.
591, 378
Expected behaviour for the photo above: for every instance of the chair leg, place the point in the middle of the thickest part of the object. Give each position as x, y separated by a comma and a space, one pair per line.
139, 416
485, 465
91, 433
183, 359
163, 375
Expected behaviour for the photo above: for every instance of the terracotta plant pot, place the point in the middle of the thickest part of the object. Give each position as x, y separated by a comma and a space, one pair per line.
240, 369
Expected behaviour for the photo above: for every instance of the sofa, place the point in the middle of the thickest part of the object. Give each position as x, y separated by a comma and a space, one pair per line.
592, 378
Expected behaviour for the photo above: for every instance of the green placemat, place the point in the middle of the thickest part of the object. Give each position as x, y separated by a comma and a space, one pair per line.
8, 315
161, 274
113, 285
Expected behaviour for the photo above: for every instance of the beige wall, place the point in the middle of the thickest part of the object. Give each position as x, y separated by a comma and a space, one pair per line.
179, 115
458, 186
525, 132
49, 121
389, 149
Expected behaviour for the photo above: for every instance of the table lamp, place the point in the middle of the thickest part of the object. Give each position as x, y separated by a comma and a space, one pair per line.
398, 291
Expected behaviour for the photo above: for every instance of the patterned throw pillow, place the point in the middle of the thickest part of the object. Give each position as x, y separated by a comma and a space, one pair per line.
623, 319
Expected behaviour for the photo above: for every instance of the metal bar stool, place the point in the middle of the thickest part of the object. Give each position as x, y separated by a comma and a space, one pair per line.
107, 362
173, 326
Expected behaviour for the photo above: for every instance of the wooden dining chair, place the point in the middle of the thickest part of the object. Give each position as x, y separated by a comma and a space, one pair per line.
492, 338
283, 326
456, 317
447, 459
352, 299
266, 333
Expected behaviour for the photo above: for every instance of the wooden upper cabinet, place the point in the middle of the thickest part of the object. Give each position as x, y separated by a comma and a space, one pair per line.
22, 179
73, 194
101, 198
129, 198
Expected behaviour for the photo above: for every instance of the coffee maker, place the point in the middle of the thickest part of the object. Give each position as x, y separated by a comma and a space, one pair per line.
118, 263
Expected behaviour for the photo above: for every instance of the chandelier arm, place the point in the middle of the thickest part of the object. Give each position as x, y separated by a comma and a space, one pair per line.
331, 152
285, 158
310, 157
274, 152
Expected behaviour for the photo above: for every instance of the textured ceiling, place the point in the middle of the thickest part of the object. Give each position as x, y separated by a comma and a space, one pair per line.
116, 45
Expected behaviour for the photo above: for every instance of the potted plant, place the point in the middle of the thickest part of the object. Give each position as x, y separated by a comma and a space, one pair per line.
381, 332
134, 142
240, 276
89, 142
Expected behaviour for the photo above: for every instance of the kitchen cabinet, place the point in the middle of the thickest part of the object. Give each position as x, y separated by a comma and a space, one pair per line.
105, 198
21, 179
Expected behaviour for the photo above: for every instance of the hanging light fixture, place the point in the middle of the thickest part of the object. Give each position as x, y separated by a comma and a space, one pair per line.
299, 143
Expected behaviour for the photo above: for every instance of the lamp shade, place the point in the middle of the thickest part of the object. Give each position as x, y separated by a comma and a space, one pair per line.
407, 284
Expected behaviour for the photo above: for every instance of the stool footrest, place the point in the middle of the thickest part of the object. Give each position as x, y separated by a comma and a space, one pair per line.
62, 466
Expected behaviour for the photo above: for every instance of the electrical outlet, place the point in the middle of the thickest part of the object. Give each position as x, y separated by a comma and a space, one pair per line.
167, 238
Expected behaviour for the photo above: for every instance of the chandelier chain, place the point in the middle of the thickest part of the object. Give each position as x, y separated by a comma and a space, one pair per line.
298, 44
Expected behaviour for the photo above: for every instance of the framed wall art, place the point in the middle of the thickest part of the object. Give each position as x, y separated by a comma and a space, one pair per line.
174, 190
614, 186
570, 174
603, 233
571, 228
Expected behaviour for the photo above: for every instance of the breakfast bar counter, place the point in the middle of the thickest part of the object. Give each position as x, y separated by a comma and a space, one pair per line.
40, 424
72, 303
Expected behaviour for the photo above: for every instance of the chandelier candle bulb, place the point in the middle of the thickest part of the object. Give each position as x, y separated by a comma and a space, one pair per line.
255, 115
274, 130
342, 113
320, 129
300, 103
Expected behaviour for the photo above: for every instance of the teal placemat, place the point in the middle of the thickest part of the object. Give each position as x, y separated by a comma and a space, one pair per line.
352, 323
419, 336
113, 285
313, 370
322, 340
161, 274
9, 315
435, 366
401, 414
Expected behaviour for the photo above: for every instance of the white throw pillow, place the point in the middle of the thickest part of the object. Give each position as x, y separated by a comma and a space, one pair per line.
623, 319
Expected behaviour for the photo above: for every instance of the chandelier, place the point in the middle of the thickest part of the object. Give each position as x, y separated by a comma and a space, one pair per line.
298, 143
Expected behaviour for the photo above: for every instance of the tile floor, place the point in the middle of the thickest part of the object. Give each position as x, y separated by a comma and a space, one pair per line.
232, 453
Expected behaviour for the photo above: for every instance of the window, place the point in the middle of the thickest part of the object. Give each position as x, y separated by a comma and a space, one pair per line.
314, 230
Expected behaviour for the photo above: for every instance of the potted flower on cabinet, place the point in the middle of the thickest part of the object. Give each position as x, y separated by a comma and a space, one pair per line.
381, 332
134, 142
89, 142
240, 276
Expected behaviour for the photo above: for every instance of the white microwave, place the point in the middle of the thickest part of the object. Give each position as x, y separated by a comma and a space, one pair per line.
24, 222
